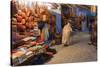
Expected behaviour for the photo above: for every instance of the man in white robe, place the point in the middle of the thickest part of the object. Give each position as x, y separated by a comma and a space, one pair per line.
66, 33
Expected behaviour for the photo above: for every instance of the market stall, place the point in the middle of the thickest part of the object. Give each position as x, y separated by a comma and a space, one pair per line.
30, 34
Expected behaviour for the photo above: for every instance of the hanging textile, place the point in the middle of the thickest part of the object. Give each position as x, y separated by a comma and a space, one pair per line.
46, 32
58, 22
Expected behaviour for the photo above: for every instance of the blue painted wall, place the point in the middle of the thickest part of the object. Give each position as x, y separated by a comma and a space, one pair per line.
58, 23
84, 22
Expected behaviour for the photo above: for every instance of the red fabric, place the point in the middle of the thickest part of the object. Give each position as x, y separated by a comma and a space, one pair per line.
29, 25
33, 43
46, 46
49, 53
37, 43
13, 51
39, 40
21, 27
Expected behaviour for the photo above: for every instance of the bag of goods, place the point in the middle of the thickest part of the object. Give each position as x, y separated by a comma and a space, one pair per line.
23, 15
21, 27
42, 10
23, 21
29, 25
30, 18
19, 18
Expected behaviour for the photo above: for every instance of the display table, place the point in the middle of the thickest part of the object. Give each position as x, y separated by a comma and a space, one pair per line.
26, 51
21, 56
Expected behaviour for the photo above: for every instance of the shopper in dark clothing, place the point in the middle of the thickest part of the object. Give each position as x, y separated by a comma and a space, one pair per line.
93, 32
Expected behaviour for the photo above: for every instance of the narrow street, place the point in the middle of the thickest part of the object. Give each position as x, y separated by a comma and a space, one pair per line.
78, 51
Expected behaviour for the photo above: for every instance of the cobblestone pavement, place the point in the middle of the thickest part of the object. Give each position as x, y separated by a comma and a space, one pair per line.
78, 51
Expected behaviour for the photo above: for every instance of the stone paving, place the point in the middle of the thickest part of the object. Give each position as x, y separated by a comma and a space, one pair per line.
78, 51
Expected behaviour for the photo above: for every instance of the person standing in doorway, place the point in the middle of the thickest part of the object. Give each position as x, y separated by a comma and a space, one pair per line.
66, 33
93, 32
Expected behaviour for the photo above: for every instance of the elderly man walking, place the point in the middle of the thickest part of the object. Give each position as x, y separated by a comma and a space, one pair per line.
66, 33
